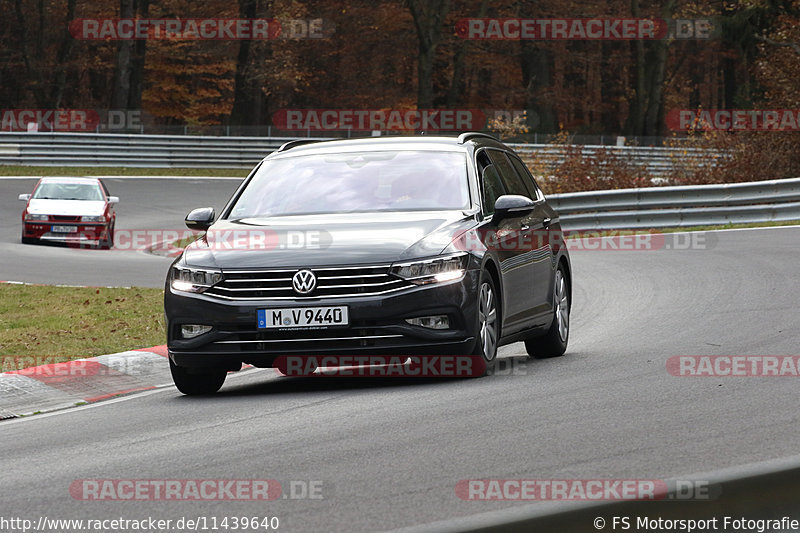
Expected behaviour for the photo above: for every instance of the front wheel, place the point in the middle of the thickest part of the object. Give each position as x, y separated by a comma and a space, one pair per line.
205, 382
108, 242
488, 322
554, 342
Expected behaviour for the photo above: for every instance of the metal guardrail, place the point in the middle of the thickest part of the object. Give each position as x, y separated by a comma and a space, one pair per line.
165, 151
693, 205
153, 151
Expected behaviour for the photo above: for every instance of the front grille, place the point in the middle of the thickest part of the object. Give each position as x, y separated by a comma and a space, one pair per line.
332, 282
62, 218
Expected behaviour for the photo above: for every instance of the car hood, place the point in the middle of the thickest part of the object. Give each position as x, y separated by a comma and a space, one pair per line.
66, 207
317, 240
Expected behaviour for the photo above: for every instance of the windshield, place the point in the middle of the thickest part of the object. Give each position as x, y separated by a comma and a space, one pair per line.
68, 191
356, 182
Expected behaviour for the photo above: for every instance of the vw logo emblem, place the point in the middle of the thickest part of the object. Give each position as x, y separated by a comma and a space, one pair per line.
304, 281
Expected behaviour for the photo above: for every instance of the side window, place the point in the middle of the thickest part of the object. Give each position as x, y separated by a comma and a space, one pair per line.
491, 186
527, 178
512, 180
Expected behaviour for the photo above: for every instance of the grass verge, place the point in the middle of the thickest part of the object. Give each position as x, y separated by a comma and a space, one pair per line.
18, 170
65, 323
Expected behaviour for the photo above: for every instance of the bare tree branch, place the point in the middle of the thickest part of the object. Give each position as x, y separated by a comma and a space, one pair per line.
773, 42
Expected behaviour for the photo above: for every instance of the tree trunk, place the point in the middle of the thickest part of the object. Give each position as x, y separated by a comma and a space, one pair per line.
121, 85
637, 103
536, 77
428, 18
647, 107
31, 76
249, 101
64, 52
536, 63
458, 84
138, 61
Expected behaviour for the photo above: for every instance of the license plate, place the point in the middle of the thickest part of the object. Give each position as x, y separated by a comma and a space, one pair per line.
64, 229
302, 317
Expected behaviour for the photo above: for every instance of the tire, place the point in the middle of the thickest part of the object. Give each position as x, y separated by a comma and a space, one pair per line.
27, 240
488, 326
204, 382
554, 342
107, 243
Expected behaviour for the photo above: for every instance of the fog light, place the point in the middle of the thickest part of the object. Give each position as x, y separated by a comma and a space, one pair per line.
190, 331
432, 322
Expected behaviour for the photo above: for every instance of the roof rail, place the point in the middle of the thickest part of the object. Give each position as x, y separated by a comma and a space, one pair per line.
292, 144
464, 137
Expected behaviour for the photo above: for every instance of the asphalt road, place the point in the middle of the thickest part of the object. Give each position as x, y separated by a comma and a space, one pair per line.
148, 206
389, 453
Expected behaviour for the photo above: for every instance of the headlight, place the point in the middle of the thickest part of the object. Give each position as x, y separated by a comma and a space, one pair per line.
100, 218
193, 279
436, 270
36, 218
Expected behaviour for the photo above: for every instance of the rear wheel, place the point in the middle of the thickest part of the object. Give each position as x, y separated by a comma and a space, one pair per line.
554, 342
206, 381
488, 322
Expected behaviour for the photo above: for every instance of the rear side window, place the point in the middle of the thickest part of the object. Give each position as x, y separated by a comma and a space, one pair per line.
511, 179
523, 171
491, 186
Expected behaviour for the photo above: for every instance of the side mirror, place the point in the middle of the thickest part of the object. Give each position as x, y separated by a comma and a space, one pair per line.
24, 197
200, 219
510, 205
113, 199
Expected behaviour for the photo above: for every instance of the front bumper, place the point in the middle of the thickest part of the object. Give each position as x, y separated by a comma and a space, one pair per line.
377, 326
85, 233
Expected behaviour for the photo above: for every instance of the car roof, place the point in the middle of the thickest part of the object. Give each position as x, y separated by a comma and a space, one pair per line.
391, 142
69, 179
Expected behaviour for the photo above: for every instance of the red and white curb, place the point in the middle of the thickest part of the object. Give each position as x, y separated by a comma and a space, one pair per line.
57, 386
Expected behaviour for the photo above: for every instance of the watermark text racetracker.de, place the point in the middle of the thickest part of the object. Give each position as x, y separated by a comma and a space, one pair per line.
615, 240
197, 490
56, 367
584, 489
66, 120
236, 29
379, 119
733, 119
585, 29
396, 366
734, 365
175, 240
